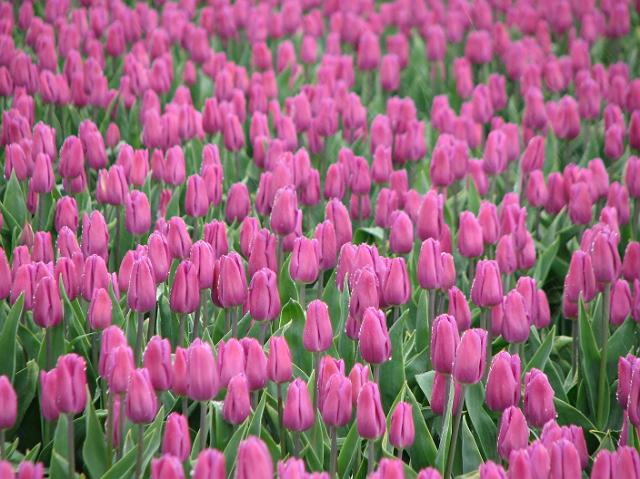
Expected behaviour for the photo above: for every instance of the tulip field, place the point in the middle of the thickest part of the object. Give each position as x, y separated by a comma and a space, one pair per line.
320, 239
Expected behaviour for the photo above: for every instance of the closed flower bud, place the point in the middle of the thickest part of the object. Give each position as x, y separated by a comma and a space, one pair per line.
444, 342
210, 465
71, 158
337, 213
176, 440
487, 285
304, 266
254, 460
30, 470
231, 360
374, 341
620, 307
396, 287
488, 219
515, 328
402, 431
565, 462
513, 433
167, 466
185, 290
71, 388
202, 259
318, 332
298, 412
8, 404
580, 279
279, 366
538, 398
491, 470
196, 201
263, 252
180, 383
503, 382
203, 375
238, 203
99, 314
237, 407
254, 355
469, 364
325, 235
605, 257
459, 309
439, 392
370, 417
158, 252
47, 305
178, 239
401, 233
336, 401
157, 360
137, 213
470, 242
48, 394
141, 295
95, 235
506, 255
264, 298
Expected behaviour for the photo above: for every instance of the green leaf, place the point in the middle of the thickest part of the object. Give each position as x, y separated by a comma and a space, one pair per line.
8, 339
94, 451
392, 372
231, 450
540, 357
424, 450
589, 357
620, 343
349, 450
14, 207
59, 467
483, 425
173, 208
286, 286
292, 321
473, 198
255, 424
25, 384
544, 262
425, 381
422, 326
471, 457
567, 414
445, 436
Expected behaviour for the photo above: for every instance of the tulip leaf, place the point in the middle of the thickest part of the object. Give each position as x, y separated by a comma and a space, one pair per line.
57, 343
471, 457
8, 339
482, 423
152, 437
25, 384
445, 436
286, 286
59, 465
544, 262
424, 450
292, 321
473, 198
255, 424
231, 449
94, 451
540, 357
425, 381
14, 208
349, 451
590, 355
621, 342
392, 372
567, 414
332, 296
422, 326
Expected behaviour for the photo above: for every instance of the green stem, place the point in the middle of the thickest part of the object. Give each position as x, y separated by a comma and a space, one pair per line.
234, 323
139, 339
316, 386
334, 451
181, 329
203, 425
2, 439
121, 417
283, 443
602, 380
454, 437
370, 457
71, 446
140, 453
486, 321
49, 348
575, 347
110, 404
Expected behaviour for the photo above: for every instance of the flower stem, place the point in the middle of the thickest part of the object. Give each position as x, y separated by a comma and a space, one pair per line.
203, 425
70, 446
140, 452
370, 457
454, 437
334, 451
139, 339
110, 404
602, 380
283, 443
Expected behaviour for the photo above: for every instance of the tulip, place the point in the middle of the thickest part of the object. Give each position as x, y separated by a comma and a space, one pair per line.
137, 213
166, 467
157, 361
429, 473
374, 341
503, 382
369, 415
253, 460
486, 290
565, 461
459, 309
158, 252
439, 394
515, 328
8, 405
185, 291
318, 332
469, 363
196, 200
232, 284
283, 214
491, 470
337, 214
470, 242
141, 295
305, 261
604, 464
620, 307
95, 235
263, 252
264, 299
210, 465
538, 398
48, 394
336, 402
203, 378
627, 464
180, 382
444, 342
401, 233
402, 430
430, 264
396, 287
176, 440
71, 389
71, 158
633, 402
178, 239
47, 305
254, 355
66, 213
236, 407
279, 365
231, 360
29, 470
513, 433
298, 411
580, 279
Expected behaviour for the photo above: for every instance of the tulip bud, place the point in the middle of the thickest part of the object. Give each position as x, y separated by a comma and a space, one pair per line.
158, 252
336, 402
565, 461
166, 467
459, 309
29, 470
305, 261
513, 433
402, 431
95, 235
279, 366
369, 414
254, 355
264, 299
232, 282
429, 473
491, 470
374, 341
488, 219
231, 360
71, 158
99, 314
196, 201
605, 257
325, 235
337, 213
298, 412
487, 285
538, 398
178, 239
503, 382
210, 465
47, 305
185, 291
580, 279
71, 384
137, 213
8, 404
469, 363
254, 460
180, 382
470, 242
157, 360
141, 295
203, 376
176, 440
318, 332
237, 407
620, 307
444, 342
515, 328
430, 264
397, 285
